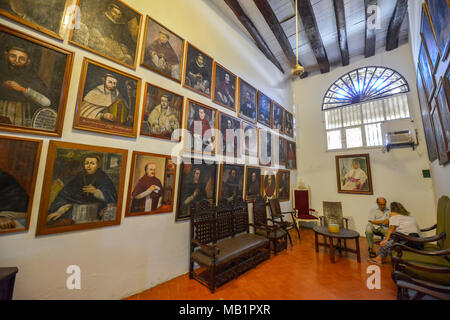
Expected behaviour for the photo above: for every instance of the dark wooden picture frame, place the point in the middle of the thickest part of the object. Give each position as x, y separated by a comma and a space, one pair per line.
441, 123
249, 170
428, 35
277, 123
282, 189
263, 115
426, 72
270, 193
288, 124
439, 11
352, 187
244, 88
217, 92
192, 53
234, 188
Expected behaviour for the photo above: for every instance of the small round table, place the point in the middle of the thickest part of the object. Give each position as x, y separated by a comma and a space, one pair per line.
345, 234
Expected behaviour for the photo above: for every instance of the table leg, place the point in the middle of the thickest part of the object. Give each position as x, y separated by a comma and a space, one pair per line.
331, 250
316, 237
358, 255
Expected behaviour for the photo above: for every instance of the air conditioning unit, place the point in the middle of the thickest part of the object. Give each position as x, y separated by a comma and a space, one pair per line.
399, 134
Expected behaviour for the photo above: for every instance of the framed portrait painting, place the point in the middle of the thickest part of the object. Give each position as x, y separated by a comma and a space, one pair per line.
353, 174
444, 109
282, 150
284, 185
429, 39
35, 78
250, 138
441, 139
278, 117
46, 16
162, 113
110, 29
426, 73
264, 109
198, 71
201, 121
152, 184
247, 101
197, 182
84, 188
19, 164
439, 11
252, 182
291, 155
230, 129
231, 181
224, 92
269, 185
289, 124
265, 148
108, 100
163, 50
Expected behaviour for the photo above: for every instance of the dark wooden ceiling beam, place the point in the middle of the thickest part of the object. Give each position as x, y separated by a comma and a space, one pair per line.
371, 31
339, 12
251, 28
401, 8
272, 21
306, 13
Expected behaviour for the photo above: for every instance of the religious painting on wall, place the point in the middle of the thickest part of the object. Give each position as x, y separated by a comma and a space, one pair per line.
426, 72
198, 71
162, 113
282, 151
444, 110
110, 29
264, 109
289, 124
278, 117
247, 101
353, 174
35, 81
46, 16
269, 188
230, 128
284, 185
442, 144
152, 184
440, 15
201, 121
291, 155
429, 38
19, 164
231, 181
108, 100
197, 182
163, 50
252, 183
84, 188
265, 148
250, 140
224, 92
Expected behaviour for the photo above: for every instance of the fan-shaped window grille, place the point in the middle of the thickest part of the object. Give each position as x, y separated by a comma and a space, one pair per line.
362, 85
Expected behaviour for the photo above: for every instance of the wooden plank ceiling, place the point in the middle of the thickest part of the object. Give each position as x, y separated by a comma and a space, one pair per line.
332, 33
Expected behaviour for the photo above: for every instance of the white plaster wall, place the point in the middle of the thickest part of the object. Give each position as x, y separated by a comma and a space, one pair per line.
148, 250
396, 175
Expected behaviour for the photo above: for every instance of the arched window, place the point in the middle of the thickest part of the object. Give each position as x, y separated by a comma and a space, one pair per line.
358, 103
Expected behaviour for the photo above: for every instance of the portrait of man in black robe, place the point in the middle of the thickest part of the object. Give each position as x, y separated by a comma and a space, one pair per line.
232, 182
198, 71
13, 202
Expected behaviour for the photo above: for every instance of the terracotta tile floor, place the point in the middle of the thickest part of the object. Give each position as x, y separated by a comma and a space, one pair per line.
298, 273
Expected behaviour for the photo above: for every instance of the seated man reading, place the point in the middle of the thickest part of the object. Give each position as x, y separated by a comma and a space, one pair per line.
378, 224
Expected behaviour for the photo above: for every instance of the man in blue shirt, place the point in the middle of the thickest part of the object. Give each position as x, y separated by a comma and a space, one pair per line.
378, 224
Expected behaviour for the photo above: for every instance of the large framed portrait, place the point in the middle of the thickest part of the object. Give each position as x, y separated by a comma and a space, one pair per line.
264, 109
46, 16
108, 100
353, 174
426, 72
247, 101
265, 148
230, 129
278, 117
284, 185
250, 138
441, 139
282, 151
201, 121
291, 155
152, 184
35, 77
197, 182
110, 29
198, 71
444, 109
269, 185
289, 124
439, 11
19, 164
83, 188
231, 181
429, 38
163, 50
252, 182
162, 113
225, 84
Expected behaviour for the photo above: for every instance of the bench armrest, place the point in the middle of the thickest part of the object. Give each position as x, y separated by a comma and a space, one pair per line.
429, 229
401, 247
397, 236
211, 250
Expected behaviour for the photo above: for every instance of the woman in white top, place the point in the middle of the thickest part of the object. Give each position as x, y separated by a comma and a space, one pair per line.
400, 221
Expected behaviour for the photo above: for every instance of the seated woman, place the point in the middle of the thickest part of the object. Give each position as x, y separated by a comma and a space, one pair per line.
400, 221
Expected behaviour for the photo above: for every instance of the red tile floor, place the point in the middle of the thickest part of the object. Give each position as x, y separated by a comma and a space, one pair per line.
298, 273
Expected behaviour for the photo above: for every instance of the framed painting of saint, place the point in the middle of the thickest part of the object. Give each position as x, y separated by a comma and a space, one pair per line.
353, 174
265, 148
163, 50
250, 138
429, 38
84, 188
198, 71
289, 124
19, 164
35, 78
282, 150
197, 182
278, 117
231, 181
152, 184
426, 72
108, 100
264, 109
230, 129
291, 155
439, 11
252, 182
46, 16
201, 122
110, 29
284, 185
225, 84
162, 113
269, 185
247, 101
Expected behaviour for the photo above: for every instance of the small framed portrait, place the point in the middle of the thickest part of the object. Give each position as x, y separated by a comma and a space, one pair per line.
289, 124
110, 29
282, 151
201, 122
84, 188
284, 185
444, 109
19, 164
230, 129
264, 109
265, 148
252, 183
152, 184
269, 185
162, 113
291, 155
278, 117
426, 72
46, 16
439, 11
353, 174
250, 138
108, 100
429, 39
247, 102
198, 71
163, 50
225, 84
35, 78
231, 181
197, 182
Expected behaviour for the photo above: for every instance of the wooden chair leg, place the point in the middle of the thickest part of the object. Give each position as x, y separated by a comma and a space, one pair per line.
191, 269
290, 239
212, 279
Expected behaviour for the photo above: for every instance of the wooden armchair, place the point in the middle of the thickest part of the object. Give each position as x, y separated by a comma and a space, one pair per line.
277, 218
332, 214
